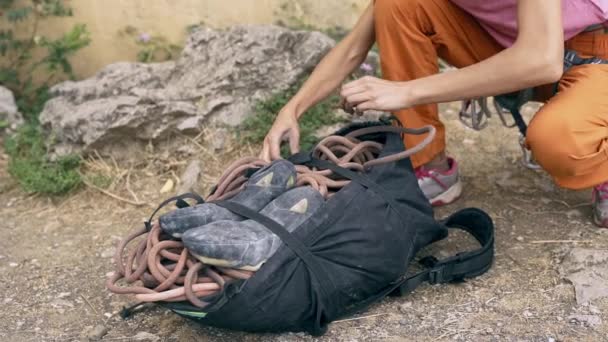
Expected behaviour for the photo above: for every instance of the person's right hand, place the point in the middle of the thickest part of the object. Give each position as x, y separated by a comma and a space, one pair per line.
285, 127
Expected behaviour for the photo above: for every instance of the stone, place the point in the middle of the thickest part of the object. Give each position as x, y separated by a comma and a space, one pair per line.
220, 138
586, 320
97, 333
587, 270
108, 253
10, 118
217, 80
190, 178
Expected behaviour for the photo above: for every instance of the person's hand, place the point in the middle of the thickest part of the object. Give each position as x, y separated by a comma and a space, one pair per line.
285, 127
371, 93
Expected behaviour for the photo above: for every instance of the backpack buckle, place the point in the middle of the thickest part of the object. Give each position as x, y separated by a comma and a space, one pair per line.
436, 276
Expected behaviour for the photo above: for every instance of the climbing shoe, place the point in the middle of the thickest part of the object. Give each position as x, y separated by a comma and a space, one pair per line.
600, 205
264, 186
440, 187
248, 244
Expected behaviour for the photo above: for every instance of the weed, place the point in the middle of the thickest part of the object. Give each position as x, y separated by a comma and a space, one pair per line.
33, 170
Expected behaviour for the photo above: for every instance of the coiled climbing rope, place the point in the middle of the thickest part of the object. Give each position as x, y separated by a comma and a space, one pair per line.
158, 268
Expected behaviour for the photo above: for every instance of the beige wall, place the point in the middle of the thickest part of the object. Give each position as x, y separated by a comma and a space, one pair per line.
169, 18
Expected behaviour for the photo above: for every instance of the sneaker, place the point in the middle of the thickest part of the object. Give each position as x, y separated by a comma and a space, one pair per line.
246, 245
600, 205
440, 187
264, 186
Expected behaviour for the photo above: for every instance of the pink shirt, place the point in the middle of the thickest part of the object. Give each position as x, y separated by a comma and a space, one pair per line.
499, 17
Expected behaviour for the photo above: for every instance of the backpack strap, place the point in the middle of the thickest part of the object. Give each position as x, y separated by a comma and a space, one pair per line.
463, 265
454, 269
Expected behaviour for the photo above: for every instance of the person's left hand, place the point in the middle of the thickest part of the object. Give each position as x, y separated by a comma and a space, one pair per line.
371, 93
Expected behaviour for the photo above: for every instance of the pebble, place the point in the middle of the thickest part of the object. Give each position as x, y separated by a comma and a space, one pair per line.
219, 139
403, 321
13, 264
108, 253
520, 238
405, 307
586, 320
64, 295
528, 314
551, 339
97, 333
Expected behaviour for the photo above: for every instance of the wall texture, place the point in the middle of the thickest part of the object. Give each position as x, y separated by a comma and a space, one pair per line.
170, 18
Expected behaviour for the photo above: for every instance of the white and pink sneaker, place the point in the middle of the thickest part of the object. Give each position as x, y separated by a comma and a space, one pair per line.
600, 205
441, 187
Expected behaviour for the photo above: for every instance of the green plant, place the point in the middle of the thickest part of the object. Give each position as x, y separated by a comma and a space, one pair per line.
25, 51
255, 128
152, 48
30, 165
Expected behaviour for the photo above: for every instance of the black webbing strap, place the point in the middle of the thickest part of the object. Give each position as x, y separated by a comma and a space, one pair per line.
454, 269
320, 279
462, 265
180, 202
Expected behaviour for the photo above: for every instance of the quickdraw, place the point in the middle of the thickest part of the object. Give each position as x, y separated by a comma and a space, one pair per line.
476, 113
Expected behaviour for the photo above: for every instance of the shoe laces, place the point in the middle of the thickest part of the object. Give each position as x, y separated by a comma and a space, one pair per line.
422, 173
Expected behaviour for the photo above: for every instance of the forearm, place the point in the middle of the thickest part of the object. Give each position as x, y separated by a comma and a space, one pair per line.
535, 58
340, 62
512, 69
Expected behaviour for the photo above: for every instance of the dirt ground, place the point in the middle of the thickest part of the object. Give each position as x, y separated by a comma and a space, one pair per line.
55, 254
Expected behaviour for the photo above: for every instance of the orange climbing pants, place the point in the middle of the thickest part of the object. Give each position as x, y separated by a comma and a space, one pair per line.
568, 136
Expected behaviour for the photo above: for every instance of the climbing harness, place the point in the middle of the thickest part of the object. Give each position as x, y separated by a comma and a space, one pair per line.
476, 113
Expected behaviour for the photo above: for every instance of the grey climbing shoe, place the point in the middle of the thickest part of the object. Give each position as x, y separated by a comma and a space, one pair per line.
248, 244
263, 186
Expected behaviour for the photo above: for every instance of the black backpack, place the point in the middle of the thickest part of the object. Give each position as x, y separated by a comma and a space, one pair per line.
353, 252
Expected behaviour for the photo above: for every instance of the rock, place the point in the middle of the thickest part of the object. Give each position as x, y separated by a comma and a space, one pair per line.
10, 118
167, 187
587, 320
145, 336
190, 178
97, 333
587, 270
218, 78
220, 137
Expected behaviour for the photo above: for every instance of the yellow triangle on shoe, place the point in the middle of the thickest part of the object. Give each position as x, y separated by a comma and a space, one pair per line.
300, 207
266, 181
291, 182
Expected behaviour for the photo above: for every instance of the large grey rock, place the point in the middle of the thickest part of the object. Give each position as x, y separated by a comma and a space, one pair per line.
217, 79
587, 270
9, 114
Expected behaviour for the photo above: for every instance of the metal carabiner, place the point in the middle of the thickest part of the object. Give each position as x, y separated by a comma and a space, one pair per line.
475, 113
527, 159
502, 113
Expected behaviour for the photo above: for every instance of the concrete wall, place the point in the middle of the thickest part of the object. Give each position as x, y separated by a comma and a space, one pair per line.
169, 18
